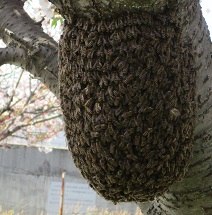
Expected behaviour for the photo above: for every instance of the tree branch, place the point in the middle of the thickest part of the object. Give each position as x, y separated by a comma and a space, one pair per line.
107, 7
19, 127
13, 55
40, 48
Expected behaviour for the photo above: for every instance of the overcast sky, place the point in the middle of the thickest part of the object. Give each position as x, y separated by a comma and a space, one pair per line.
207, 12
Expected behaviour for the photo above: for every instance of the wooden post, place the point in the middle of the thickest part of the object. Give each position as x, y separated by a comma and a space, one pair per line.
62, 193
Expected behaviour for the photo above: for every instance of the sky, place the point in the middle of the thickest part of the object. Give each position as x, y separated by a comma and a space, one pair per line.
207, 12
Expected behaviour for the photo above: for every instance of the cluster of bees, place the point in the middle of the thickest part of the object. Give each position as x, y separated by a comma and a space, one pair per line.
127, 89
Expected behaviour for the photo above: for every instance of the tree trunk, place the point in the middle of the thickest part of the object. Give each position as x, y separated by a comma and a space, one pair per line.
193, 194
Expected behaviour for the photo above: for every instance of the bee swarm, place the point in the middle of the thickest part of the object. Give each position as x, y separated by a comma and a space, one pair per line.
127, 89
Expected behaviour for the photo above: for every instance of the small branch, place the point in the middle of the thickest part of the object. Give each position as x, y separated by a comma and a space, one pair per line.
40, 50
47, 119
19, 127
16, 86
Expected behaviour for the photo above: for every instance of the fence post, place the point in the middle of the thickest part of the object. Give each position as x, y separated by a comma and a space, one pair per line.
62, 193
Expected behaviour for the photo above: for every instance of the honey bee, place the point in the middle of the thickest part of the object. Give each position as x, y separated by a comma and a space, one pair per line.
118, 111
78, 41
131, 91
88, 115
88, 65
97, 107
110, 91
174, 113
100, 41
98, 147
142, 75
122, 35
77, 113
131, 155
102, 163
111, 167
112, 26
100, 52
90, 43
127, 114
128, 79
94, 134
114, 36
128, 132
141, 178
82, 151
109, 52
122, 89
85, 25
99, 66
80, 22
101, 26
81, 98
110, 128
93, 148
104, 81
101, 96
115, 93
136, 20
107, 137
73, 34
111, 179
112, 149
106, 67
90, 54
116, 61
75, 150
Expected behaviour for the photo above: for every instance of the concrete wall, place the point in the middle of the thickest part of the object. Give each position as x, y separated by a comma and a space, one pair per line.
31, 180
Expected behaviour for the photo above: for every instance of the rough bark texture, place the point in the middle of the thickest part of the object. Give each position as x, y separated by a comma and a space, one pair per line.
27, 45
106, 8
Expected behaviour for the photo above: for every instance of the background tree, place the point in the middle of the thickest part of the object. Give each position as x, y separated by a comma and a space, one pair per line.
27, 110
33, 50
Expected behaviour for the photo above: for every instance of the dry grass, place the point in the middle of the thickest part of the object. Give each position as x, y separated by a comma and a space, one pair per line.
9, 212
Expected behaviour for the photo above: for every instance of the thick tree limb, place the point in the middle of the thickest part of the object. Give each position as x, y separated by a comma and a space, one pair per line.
13, 55
41, 50
108, 7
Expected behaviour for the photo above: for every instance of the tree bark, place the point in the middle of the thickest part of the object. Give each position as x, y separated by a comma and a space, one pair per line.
193, 194
108, 7
27, 45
